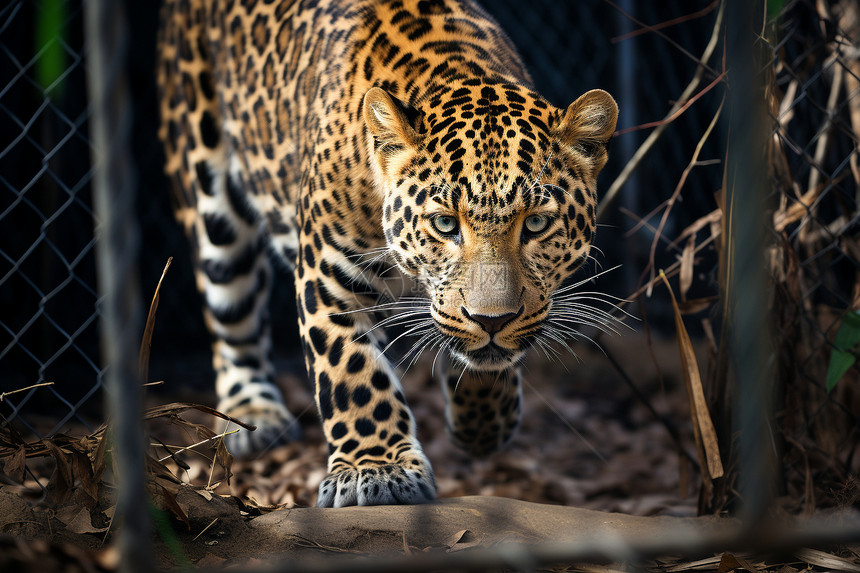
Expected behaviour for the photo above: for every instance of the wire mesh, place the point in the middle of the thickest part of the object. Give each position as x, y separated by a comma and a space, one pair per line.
47, 276
814, 100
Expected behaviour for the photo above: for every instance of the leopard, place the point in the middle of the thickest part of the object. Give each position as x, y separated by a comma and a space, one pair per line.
360, 144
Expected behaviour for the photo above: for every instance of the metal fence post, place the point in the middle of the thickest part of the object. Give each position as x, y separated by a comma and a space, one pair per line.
746, 282
114, 191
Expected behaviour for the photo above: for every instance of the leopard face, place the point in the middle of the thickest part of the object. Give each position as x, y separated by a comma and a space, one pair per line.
490, 204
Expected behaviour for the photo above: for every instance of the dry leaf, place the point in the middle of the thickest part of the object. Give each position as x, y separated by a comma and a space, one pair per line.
15, 465
827, 561
685, 277
703, 426
82, 469
706, 564
697, 305
461, 540
165, 498
78, 520
175, 408
63, 477
729, 562
146, 342
454, 539
83, 523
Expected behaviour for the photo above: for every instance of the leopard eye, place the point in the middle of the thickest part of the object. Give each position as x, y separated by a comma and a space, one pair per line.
445, 224
536, 223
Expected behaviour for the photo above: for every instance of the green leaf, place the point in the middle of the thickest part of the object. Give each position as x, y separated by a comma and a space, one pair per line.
774, 7
840, 362
841, 359
848, 334
48, 37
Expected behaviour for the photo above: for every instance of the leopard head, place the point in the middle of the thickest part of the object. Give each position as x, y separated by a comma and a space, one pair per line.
490, 204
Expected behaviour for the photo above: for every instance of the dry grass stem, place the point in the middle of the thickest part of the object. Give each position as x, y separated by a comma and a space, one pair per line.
9, 393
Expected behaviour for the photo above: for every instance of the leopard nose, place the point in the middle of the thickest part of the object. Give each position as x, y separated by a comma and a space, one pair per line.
492, 324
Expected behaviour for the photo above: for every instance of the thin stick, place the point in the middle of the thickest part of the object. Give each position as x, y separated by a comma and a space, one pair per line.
675, 115
4, 394
653, 254
214, 521
199, 444
668, 23
215, 455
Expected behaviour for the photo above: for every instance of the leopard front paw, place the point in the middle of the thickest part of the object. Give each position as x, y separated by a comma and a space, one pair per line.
405, 483
275, 426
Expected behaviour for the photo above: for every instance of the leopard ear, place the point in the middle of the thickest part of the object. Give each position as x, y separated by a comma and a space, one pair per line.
390, 121
587, 125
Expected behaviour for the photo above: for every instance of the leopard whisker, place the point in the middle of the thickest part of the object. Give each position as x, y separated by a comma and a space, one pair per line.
558, 336
401, 319
578, 308
583, 321
381, 256
373, 251
462, 372
544, 347
584, 281
442, 347
607, 327
418, 329
405, 302
418, 348
590, 295
536, 182
571, 333
571, 307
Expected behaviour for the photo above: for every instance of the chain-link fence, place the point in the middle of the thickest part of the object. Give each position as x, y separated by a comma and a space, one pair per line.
49, 317
814, 104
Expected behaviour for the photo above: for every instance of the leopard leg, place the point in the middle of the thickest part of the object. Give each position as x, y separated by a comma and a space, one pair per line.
482, 409
234, 274
374, 455
232, 270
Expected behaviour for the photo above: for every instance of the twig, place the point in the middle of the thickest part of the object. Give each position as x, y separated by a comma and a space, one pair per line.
822, 145
198, 444
668, 23
646, 146
215, 456
675, 115
670, 271
656, 30
643, 399
214, 521
653, 254
9, 393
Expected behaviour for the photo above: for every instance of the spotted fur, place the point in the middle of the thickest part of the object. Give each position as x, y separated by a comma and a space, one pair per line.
347, 135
